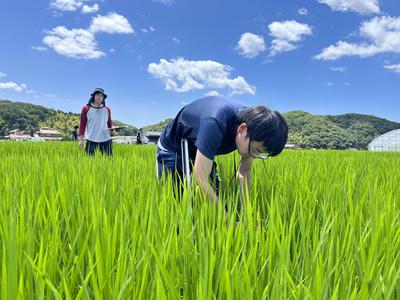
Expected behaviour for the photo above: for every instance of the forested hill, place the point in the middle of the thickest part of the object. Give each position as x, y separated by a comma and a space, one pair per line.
305, 129
335, 132
327, 132
157, 127
30, 117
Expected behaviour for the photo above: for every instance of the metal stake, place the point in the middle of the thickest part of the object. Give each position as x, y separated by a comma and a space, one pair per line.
185, 161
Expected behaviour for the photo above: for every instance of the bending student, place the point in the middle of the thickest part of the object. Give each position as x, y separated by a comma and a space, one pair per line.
214, 126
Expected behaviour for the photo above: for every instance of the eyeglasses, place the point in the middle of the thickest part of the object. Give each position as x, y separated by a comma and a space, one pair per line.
262, 156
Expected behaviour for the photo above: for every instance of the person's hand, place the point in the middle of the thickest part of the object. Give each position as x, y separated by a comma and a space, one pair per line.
81, 144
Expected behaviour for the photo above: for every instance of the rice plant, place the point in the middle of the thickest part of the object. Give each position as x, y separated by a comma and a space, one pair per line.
316, 225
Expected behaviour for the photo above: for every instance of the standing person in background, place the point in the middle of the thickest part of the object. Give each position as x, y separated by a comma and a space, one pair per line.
139, 137
74, 134
96, 123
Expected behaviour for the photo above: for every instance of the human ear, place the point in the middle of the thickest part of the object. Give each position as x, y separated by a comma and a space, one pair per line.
242, 128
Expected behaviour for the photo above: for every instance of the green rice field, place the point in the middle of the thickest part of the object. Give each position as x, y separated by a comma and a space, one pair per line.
316, 225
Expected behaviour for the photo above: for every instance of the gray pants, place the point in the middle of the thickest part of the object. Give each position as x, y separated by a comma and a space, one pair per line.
170, 162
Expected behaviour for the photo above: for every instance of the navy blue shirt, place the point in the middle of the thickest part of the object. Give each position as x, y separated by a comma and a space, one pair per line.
209, 124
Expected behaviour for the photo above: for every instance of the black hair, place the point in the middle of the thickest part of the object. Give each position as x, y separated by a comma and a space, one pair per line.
266, 126
91, 99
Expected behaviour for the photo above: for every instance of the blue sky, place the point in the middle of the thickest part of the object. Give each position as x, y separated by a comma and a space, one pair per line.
153, 56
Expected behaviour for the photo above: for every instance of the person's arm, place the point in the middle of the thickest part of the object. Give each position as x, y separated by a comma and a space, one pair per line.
209, 137
244, 175
82, 125
109, 121
201, 172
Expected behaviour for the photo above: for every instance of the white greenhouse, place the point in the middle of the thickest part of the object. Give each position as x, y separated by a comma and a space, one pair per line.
389, 141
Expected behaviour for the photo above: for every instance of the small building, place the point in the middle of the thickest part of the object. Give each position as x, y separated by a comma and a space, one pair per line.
121, 139
49, 134
37, 139
389, 141
17, 135
152, 136
292, 146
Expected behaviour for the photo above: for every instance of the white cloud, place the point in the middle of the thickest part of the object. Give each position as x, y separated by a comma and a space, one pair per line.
50, 95
112, 23
250, 45
31, 92
279, 46
150, 29
81, 43
182, 75
393, 68
212, 94
339, 69
73, 5
167, 2
176, 40
382, 35
2, 75
12, 86
359, 6
41, 49
66, 5
302, 11
76, 43
86, 9
291, 31
286, 34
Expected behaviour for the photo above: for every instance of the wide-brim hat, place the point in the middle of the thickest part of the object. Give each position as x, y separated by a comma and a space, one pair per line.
99, 90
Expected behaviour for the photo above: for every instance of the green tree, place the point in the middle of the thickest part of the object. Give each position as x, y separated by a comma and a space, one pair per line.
62, 122
296, 138
297, 119
322, 134
157, 127
363, 133
347, 120
129, 131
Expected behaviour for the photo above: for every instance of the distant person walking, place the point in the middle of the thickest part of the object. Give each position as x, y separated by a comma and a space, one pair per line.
139, 137
74, 134
96, 124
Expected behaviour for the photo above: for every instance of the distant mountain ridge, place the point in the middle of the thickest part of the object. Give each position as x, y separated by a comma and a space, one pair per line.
349, 130
345, 131
30, 117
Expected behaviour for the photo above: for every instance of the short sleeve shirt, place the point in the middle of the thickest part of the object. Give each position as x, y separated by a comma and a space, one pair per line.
209, 124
